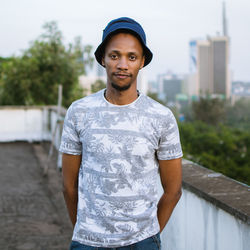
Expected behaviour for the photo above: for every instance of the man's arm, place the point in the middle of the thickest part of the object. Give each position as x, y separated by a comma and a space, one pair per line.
70, 170
171, 179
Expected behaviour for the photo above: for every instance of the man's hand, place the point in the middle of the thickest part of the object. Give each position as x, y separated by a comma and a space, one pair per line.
171, 179
70, 170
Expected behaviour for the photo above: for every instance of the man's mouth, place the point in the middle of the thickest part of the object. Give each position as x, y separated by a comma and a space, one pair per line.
122, 75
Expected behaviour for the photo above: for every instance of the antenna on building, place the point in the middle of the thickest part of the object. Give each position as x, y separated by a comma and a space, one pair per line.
224, 19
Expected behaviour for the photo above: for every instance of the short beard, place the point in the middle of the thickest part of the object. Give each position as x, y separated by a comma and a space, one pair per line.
120, 88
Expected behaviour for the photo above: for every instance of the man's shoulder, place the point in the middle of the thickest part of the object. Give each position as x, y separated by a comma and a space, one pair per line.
89, 101
155, 107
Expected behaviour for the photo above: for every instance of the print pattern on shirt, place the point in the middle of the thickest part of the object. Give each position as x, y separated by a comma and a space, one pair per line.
120, 146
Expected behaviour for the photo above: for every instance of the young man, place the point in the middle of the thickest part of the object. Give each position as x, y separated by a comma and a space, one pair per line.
115, 143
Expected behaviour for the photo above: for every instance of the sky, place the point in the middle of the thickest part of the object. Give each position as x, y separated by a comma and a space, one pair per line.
169, 26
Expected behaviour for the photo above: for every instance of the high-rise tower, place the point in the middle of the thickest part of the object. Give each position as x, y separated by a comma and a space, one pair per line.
212, 63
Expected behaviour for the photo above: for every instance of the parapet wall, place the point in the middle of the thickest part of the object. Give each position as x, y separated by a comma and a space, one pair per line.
213, 213
30, 123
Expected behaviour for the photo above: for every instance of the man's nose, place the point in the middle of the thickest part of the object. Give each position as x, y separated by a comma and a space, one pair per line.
123, 63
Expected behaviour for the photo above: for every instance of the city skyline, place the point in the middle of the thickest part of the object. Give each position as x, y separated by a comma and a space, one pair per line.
169, 27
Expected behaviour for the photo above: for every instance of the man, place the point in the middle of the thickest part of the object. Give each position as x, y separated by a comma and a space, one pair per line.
115, 143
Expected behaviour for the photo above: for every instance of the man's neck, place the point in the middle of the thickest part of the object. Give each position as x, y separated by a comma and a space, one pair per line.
121, 97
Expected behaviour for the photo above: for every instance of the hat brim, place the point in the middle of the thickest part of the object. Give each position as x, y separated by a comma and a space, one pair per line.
100, 49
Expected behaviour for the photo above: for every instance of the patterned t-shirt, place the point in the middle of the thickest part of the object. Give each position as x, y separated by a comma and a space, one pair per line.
120, 145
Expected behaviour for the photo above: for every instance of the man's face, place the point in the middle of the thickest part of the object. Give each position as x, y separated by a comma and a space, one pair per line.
123, 59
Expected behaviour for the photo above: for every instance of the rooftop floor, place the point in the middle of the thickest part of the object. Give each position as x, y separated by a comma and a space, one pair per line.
32, 210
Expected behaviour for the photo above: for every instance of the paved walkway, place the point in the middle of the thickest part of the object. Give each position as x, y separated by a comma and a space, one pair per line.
32, 211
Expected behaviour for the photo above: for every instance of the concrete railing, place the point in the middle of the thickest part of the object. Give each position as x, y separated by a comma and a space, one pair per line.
30, 123
212, 214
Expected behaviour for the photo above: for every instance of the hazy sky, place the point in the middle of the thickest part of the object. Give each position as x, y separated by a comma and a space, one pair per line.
169, 26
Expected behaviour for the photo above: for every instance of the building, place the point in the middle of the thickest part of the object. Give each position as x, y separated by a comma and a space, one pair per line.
240, 90
204, 67
213, 66
209, 64
169, 86
221, 82
190, 87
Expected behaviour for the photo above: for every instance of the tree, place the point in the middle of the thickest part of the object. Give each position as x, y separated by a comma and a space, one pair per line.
220, 148
33, 78
209, 110
155, 97
239, 114
97, 85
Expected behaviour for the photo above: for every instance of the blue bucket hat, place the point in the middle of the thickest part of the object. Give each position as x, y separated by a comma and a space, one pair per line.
123, 24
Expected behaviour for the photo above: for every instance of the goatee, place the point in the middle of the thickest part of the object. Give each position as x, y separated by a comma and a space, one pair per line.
120, 88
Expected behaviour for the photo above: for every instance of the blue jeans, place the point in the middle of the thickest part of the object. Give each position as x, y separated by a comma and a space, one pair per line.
151, 243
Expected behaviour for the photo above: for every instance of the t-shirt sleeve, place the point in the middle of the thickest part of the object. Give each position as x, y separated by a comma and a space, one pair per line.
70, 141
169, 145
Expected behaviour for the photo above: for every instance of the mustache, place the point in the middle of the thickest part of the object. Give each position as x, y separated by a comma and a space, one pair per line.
122, 73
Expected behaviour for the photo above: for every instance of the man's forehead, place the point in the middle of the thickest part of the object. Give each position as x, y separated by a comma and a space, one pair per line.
124, 40
128, 52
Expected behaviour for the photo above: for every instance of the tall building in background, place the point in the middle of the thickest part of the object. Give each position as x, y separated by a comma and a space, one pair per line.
169, 86
190, 83
213, 66
220, 66
204, 67
209, 64
240, 90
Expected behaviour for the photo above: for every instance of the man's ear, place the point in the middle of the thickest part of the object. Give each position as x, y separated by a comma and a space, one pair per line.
142, 63
103, 64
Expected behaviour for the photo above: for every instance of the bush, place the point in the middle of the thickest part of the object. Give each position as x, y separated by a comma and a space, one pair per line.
221, 148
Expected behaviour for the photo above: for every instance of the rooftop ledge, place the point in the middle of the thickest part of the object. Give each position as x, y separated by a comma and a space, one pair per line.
224, 192
33, 107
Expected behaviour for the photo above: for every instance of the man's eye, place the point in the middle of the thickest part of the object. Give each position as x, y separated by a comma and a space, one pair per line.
113, 57
132, 57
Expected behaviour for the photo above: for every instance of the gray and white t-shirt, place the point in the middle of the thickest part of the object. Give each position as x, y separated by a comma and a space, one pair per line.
120, 145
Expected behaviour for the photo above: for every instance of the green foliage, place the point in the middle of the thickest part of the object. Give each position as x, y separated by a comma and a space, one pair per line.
3, 60
209, 110
238, 115
187, 112
215, 111
33, 78
223, 149
98, 85
217, 136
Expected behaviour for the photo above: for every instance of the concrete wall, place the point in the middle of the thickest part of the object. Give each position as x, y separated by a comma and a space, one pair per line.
29, 124
199, 222
23, 124
199, 225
